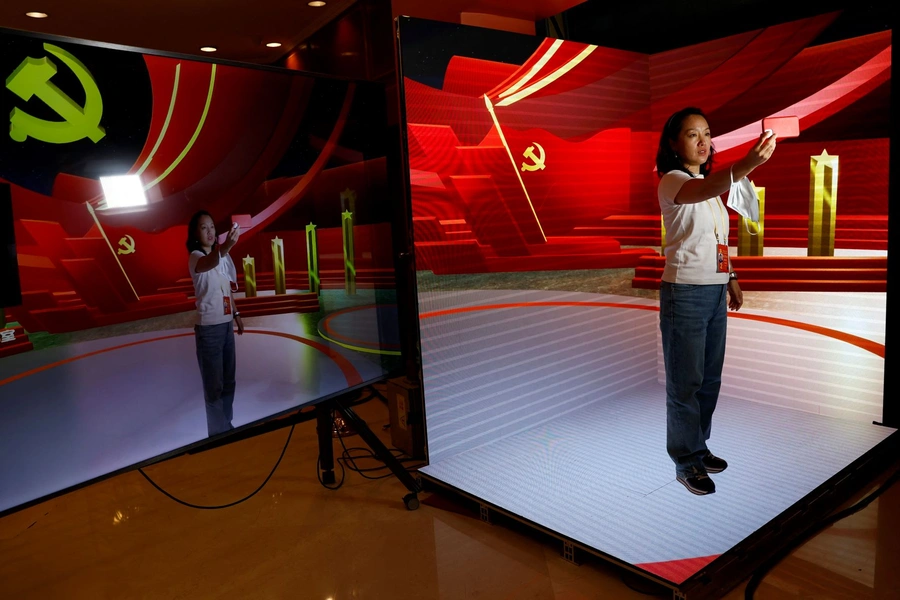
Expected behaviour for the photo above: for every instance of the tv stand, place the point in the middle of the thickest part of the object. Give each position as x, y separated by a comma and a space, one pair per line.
325, 428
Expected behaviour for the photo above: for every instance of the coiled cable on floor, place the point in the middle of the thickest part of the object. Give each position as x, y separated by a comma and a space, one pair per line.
347, 461
350, 461
230, 504
776, 558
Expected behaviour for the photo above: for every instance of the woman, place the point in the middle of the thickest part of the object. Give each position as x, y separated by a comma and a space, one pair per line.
215, 280
697, 285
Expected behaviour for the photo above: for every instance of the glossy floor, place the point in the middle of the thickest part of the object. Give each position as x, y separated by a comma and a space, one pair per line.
122, 539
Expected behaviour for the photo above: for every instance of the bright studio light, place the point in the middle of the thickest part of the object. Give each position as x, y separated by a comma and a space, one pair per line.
208, 49
316, 3
274, 45
123, 191
36, 15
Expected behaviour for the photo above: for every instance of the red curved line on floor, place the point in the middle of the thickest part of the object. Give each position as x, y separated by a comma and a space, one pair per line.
860, 342
72, 359
327, 327
350, 373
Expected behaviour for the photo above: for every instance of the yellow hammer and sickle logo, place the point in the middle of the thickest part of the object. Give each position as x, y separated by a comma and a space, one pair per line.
32, 78
127, 245
537, 162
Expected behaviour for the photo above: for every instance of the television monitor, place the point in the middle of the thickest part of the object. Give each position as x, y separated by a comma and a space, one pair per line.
107, 154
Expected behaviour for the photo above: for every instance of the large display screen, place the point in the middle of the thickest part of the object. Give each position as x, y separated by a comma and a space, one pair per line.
532, 168
538, 248
106, 156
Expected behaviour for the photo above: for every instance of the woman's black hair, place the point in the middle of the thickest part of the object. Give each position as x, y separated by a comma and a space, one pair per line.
192, 242
666, 157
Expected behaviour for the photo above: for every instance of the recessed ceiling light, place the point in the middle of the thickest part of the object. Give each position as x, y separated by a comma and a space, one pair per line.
316, 3
36, 15
208, 49
274, 44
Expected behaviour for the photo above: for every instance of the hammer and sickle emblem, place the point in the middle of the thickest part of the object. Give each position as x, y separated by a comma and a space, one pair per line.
127, 245
32, 78
537, 162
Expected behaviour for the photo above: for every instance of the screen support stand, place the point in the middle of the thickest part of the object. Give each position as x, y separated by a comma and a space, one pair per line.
325, 429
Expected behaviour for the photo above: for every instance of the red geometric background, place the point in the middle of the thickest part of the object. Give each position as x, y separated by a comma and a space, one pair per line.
594, 204
212, 144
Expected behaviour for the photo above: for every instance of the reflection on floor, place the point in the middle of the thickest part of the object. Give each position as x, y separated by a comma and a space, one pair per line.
121, 539
73, 413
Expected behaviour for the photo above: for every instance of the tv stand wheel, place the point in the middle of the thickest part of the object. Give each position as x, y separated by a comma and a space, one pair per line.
411, 501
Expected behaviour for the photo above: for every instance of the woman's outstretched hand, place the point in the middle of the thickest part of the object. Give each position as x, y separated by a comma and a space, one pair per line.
231, 239
762, 150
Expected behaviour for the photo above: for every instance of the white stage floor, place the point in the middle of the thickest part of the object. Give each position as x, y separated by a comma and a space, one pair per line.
72, 413
601, 476
550, 405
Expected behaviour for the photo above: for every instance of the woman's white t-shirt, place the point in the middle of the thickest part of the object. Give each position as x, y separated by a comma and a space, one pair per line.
211, 288
691, 234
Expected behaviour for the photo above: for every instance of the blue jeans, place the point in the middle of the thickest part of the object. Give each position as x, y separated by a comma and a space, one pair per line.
215, 353
692, 319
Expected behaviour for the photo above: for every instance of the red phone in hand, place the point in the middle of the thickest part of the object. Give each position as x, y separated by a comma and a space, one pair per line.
245, 222
783, 127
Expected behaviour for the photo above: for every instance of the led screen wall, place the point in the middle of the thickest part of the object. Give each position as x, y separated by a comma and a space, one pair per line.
538, 235
538, 241
98, 366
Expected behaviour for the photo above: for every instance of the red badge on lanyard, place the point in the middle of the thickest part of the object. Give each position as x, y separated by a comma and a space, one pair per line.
721, 258
721, 249
226, 294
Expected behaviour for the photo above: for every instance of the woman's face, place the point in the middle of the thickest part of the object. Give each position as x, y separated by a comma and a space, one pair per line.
206, 231
693, 143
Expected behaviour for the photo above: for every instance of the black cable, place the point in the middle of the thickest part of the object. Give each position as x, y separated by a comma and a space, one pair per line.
776, 558
373, 393
230, 504
319, 475
350, 461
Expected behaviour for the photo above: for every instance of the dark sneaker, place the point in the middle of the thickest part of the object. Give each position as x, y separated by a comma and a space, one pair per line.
714, 464
697, 483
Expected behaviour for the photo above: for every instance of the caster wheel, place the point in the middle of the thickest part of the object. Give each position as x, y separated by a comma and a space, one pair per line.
411, 501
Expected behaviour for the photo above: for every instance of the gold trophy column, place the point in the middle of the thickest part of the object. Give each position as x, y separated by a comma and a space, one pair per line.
750, 234
278, 265
312, 259
823, 186
249, 277
349, 258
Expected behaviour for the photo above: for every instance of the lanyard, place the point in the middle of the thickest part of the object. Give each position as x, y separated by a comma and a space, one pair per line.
221, 270
716, 221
